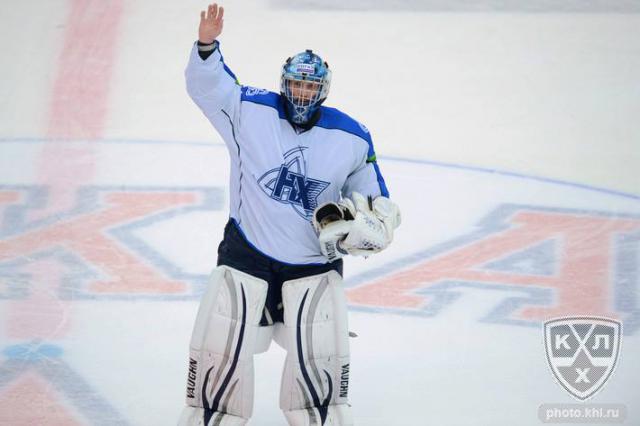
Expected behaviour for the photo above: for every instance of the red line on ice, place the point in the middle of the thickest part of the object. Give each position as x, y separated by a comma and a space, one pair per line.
79, 102
81, 89
78, 110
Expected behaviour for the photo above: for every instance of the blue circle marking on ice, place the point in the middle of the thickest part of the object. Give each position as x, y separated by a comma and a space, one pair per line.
32, 351
426, 162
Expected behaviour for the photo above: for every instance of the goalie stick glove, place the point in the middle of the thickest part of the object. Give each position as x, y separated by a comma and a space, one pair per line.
332, 222
360, 227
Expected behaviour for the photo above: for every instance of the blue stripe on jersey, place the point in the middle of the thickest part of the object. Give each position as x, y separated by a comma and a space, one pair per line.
237, 226
383, 186
330, 118
228, 70
263, 97
224, 65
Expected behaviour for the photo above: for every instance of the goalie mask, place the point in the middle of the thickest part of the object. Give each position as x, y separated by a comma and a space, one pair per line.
304, 85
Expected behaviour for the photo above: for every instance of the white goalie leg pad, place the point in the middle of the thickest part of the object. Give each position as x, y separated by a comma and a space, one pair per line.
315, 380
194, 416
336, 415
220, 377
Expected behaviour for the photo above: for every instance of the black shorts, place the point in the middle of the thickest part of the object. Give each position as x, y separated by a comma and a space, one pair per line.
235, 251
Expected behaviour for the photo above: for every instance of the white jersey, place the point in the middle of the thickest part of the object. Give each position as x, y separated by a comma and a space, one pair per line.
279, 176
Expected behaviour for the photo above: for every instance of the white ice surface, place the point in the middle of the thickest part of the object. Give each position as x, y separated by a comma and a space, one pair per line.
469, 112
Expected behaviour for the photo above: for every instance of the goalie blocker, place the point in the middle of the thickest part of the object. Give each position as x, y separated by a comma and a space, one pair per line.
310, 323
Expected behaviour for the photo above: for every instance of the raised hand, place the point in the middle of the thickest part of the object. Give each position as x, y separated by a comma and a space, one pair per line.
211, 23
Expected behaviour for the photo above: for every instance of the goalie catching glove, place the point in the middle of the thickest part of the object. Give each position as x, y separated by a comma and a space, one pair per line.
359, 226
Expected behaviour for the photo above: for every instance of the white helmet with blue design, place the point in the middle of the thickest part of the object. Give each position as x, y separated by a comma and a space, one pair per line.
304, 85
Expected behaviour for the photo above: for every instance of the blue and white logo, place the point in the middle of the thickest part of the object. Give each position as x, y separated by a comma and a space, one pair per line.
289, 184
252, 91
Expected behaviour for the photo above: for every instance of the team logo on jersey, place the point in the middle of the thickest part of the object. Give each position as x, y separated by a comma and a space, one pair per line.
582, 352
251, 91
289, 184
